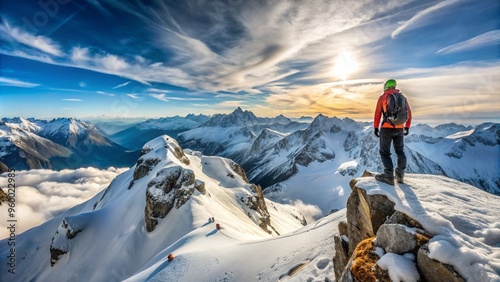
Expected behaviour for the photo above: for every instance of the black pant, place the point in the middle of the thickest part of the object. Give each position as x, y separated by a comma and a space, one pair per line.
388, 135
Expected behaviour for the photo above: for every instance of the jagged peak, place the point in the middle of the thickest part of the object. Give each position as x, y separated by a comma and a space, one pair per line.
164, 147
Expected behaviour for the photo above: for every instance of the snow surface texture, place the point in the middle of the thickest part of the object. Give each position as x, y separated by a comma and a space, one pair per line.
463, 219
42, 194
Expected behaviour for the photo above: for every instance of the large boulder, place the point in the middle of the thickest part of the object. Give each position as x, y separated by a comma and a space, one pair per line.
365, 214
435, 271
396, 238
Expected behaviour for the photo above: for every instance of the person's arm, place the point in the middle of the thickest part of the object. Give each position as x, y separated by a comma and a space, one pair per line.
408, 122
378, 113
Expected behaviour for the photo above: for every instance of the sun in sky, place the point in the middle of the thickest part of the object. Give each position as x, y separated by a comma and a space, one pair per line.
345, 65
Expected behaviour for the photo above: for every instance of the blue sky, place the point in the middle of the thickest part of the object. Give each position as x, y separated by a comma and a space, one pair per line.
130, 59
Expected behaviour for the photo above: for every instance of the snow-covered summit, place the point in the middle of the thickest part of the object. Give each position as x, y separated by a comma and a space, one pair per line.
244, 118
237, 118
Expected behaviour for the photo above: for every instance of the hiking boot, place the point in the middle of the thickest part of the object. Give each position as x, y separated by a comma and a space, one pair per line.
382, 177
400, 177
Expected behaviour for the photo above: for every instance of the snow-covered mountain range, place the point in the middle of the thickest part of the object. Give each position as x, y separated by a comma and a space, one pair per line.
164, 205
138, 134
283, 156
278, 153
58, 144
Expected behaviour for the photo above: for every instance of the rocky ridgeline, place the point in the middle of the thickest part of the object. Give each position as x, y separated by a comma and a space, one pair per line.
374, 228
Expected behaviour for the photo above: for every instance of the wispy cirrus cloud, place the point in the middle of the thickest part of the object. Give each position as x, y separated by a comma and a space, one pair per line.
134, 96
486, 39
161, 97
424, 17
6, 81
236, 55
122, 85
105, 93
38, 42
72, 100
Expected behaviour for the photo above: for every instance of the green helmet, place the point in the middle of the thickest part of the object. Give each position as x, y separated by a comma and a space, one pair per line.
389, 83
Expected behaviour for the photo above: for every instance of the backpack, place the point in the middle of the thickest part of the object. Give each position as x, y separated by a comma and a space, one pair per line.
396, 110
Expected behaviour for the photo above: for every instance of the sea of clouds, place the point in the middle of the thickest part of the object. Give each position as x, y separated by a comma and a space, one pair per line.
42, 194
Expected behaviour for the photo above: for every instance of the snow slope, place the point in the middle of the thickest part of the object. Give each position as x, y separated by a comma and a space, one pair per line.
113, 230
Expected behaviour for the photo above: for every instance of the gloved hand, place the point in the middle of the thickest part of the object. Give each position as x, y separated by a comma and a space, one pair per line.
406, 131
376, 132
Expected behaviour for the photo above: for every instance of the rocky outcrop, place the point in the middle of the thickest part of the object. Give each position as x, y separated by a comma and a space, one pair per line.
365, 214
3, 168
341, 257
257, 203
239, 170
142, 168
373, 229
3, 197
433, 270
172, 187
68, 230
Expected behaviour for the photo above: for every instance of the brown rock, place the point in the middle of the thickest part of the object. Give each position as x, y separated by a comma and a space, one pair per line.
3, 168
341, 258
343, 228
3, 196
239, 170
401, 218
435, 271
365, 214
364, 263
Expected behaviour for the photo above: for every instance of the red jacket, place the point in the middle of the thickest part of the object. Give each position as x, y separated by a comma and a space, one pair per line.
381, 107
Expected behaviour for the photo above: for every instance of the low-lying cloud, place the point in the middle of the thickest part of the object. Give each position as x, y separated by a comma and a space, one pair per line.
43, 194
310, 212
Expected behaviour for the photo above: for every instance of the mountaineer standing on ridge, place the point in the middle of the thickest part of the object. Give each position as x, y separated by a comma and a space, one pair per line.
396, 112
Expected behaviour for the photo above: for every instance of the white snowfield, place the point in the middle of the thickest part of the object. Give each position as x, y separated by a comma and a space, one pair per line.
115, 246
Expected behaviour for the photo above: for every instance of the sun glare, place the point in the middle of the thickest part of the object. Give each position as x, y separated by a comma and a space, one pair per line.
345, 65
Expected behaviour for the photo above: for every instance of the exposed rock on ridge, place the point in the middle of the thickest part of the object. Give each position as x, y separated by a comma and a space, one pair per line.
375, 228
